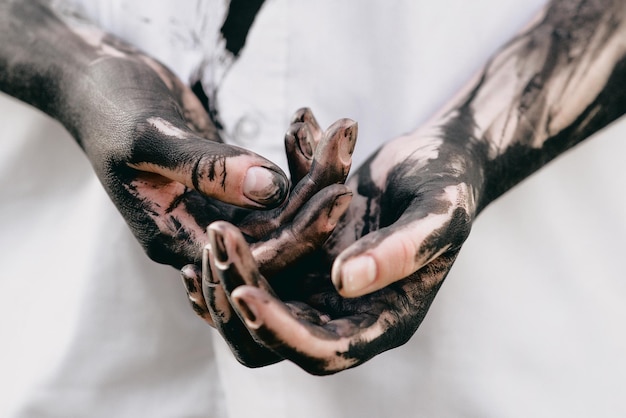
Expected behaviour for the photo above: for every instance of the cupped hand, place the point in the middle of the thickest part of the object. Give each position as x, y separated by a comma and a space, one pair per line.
302, 318
414, 201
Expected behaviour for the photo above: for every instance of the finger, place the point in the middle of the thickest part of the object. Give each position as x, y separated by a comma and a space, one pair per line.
192, 279
299, 150
227, 246
307, 232
301, 140
363, 329
333, 154
305, 115
313, 340
331, 164
214, 296
244, 347
311, 347
224, 172
320, 347
239, 276
393, 253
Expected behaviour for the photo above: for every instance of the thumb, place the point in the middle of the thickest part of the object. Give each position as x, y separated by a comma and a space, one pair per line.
394, 253
224, 172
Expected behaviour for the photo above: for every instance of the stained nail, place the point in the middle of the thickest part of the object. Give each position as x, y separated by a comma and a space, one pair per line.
300, 115
358, 273
207, 275
303, 138
347, 142
187, 275
218, 247
264, 185
249, 313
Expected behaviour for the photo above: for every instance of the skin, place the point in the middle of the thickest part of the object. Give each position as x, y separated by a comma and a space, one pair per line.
325, 304
150, 141
367, 289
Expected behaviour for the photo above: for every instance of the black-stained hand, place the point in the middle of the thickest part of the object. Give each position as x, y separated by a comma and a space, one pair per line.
160, 158
302, 319
288, 234
148, 137
412, 209
415, 199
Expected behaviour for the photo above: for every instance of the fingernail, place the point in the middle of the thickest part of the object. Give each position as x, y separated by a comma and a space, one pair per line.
249, 313
207, 275
264, 185
300, 115
218, 247
304, 141
187, 274
358, 273
346, 146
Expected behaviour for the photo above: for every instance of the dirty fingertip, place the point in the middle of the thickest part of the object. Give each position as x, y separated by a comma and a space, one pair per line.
348, 141
265, 186
190, 276
218, 246
247, 308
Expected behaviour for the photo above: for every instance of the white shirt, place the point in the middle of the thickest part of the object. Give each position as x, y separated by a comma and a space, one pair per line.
528, 323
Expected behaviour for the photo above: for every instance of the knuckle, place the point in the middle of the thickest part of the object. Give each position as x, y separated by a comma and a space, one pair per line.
208, 174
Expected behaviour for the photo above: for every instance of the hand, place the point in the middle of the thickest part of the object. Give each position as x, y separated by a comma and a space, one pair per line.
415, 201
416, 198
281, 237
160, 158
149, 139
316, 328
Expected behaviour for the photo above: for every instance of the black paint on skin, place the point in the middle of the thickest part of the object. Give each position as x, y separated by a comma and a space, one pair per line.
106, 101
367, 187
190, 285
56, 77
304, 216
38, 77
606, 108
570, 27
151, 145
464, 158
572, 24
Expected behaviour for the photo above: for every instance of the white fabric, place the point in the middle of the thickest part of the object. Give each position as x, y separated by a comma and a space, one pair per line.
529, 322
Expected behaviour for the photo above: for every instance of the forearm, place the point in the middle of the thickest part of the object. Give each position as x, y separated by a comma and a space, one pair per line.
552, 86
40, 56
95, 84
